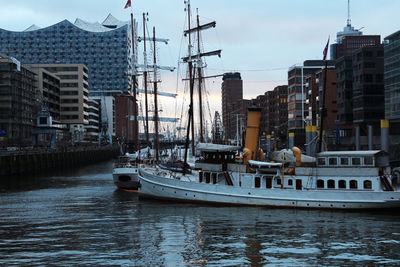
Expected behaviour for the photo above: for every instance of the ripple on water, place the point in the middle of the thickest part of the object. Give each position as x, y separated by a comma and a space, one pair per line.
363, 258
281, 250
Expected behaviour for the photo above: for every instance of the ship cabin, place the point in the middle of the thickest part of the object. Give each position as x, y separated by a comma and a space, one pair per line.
334, 170
353, 159
215, 162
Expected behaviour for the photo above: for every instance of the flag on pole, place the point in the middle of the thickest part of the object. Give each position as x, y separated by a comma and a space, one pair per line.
326, 49
128, 4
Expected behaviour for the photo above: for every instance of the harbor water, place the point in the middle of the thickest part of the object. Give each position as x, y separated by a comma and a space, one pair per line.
76, 217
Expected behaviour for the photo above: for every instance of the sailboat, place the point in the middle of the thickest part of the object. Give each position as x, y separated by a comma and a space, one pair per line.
125, 171
331, 180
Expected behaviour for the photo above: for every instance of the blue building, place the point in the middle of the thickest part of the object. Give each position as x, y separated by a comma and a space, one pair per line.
104, 48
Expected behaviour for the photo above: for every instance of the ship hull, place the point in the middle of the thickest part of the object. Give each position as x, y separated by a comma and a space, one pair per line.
158, 187
126, 178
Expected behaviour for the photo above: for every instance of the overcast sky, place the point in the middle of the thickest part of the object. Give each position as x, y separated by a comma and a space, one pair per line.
259, 38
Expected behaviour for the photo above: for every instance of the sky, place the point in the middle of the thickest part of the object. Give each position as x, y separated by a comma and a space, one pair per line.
260, 39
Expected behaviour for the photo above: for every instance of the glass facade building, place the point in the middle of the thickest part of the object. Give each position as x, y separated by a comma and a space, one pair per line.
104, 48
392, 77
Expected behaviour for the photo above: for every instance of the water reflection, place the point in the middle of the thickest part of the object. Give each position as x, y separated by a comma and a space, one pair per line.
77, 218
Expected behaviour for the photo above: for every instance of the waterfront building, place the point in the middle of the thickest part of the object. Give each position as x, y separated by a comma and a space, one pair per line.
48, 91
330, 119
368, 86
297, 105
94, 112
276, 117
105, 49
337, 49
232, 91
345, 82
392, 77
74, 94
17, 100
124, 106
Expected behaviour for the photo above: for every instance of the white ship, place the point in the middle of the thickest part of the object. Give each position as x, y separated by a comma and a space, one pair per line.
337, 180
125, 173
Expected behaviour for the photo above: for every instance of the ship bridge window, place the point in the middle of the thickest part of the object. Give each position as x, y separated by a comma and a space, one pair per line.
342, 184
355, 161
257, 182
320, 183
369, 161
367, 184
321, 161
353, 184
331, 183
344, 161
332, 161
290, 182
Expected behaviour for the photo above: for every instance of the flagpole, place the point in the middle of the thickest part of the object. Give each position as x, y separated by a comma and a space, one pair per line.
323, 110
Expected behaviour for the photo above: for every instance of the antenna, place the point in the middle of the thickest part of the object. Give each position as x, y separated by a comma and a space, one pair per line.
348, 13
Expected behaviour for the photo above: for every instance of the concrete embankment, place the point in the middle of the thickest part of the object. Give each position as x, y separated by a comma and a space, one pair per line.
34, 162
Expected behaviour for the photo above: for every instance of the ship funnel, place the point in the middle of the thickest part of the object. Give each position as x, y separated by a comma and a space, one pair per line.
252, 132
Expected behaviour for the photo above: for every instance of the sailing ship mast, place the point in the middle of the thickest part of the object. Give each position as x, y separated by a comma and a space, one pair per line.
199, 80
197, 60
155, 96
134, 74
191, 85
154, 67
146, 106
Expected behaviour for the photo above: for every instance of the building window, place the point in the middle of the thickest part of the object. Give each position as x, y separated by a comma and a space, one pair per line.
353, 184
342, 184
331, 183
367, 184
320, 183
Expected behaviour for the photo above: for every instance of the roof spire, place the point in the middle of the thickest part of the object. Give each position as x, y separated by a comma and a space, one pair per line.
348, 13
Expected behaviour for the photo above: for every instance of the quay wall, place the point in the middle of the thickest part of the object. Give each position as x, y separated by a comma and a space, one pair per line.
36, 162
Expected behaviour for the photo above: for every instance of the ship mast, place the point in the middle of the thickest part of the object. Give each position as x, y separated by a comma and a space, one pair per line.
145, 81
155, 97
191, 83
189, 59
200, 79
135, 113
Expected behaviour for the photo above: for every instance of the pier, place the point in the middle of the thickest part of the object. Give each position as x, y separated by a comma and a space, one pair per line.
37, 161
